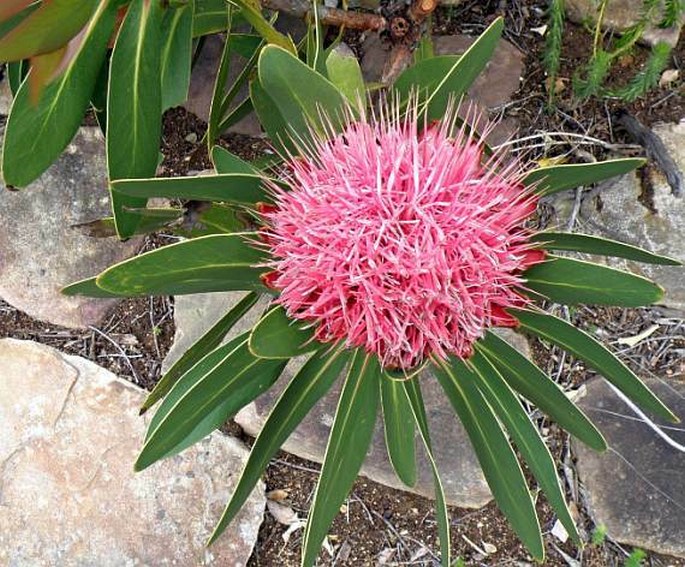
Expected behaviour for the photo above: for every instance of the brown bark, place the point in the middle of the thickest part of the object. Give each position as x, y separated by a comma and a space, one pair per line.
329, 16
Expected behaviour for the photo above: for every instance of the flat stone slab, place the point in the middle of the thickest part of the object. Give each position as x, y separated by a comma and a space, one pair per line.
636, 488
41, 251
618, 213
464, 483
68, 493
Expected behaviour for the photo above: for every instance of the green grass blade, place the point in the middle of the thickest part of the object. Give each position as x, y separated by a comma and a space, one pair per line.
589, 244
532, 383
583, 346
526, 436
211, 392
496, 456
310, 384
177, 54
556, 178
347, 445
278, 336
200, 348
399, 431
572, 282
225, 162
219, 262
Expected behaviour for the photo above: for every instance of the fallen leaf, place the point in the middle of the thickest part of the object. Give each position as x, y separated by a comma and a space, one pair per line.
542, 30
385, 556
277, 495
282, 514
668, 76
489, 548
559, 532
633, 341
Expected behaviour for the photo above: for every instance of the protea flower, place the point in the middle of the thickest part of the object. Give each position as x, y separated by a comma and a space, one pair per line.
391, 241
402, 239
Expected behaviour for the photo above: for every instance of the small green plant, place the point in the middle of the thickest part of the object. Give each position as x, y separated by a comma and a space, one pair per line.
636, 558
606, 51
599, 534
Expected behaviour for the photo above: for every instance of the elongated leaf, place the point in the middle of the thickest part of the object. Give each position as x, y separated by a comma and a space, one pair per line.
271, 119
16, 73
220, 262
569, 281
218, 90
210, 16
204, 398
344, 72
462, 74
399, 431
87, 288
347, 445
532, 383
226, 162
583, 346
601, 246
177, 54
283, 75
203, 346
278, 336
509, 410
310, 384
243, 188
496, 457
35, 135
218, 218
46, 29
134, 105
412, 393
251, 10
424, 76
557, 178
10, 8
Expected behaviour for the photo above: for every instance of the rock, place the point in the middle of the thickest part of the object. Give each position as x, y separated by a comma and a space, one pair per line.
40, 251
637, 487
618, 213
494, 87
68, 493
619, 15
464, 482
5, 97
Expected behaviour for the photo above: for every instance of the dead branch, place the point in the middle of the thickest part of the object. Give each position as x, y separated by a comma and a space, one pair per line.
329, 16
655, 148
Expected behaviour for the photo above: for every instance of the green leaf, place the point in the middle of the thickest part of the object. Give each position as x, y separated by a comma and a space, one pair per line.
177, 54
210, 16
583, 346
271, 119
347, 445
242, 188
496, 457
87, 288
218, 218
345, 73
46, 28
424, 76
16, 73
202, 347
310, 384
35, 135
251, 10
278, 336
219, 262
526, 436
134, 105
211, 392
462, 74
10, 19
226, 162
569, 281
599, 246
412, 393
555, 178
283, 75
532, 383
399, 431
215, 114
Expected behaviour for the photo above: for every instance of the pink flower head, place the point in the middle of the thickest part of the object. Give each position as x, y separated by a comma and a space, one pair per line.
403, 241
